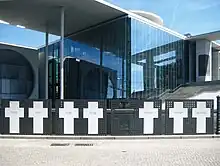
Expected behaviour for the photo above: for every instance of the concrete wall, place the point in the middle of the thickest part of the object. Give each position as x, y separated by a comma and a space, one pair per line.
203, 49
215, 65
207, 95
31, 55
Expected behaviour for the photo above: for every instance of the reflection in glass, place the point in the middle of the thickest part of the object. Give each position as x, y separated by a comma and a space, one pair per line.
16, 76
125, 58
156, 58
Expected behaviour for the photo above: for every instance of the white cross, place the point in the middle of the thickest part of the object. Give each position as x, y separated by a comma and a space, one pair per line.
14, 113
38, 113
178, 113
93, 113
201, 113
68, 113
148, 113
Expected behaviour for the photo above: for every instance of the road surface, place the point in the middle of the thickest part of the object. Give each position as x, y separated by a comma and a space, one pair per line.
164, 152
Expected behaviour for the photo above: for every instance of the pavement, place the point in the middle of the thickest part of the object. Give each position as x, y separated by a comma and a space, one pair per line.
151, 152
108, 137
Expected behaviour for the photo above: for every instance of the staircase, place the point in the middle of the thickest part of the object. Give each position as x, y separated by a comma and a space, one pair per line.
188, 91
193, 90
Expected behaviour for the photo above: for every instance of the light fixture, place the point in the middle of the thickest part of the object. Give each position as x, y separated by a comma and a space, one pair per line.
20, 26
3, 22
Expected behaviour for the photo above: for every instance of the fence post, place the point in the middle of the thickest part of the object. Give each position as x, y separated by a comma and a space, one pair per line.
218, 111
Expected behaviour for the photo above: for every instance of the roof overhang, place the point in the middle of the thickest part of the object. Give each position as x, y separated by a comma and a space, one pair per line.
19, 46
41, 15
211, 36
216, 45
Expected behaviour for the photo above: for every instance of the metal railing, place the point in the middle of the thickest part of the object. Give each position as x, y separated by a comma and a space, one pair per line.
218, 116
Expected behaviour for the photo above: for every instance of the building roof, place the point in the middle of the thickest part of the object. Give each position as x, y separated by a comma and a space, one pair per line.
216, 45
148, 15
36, 15
15, 45
211, 36
79, 15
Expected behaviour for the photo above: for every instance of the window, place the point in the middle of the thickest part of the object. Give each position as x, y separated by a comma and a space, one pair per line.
203, 65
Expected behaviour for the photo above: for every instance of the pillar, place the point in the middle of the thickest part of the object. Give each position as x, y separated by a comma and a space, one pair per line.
215, 65
62, 54
46, 63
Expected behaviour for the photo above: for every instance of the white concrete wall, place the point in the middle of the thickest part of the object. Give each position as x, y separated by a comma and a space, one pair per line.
207, 96
202, 96
31, 55
215, 65
204, 47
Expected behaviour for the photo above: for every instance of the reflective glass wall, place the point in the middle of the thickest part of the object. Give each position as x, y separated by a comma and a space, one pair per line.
105, 48
53, 70
95, 62
124, 58
156, 60
16, 75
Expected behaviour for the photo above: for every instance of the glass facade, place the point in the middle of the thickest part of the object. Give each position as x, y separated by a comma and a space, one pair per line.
16, 76
156, 60
95, 63
124, 58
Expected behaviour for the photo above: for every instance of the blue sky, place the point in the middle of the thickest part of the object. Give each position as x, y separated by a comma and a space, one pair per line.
184, 16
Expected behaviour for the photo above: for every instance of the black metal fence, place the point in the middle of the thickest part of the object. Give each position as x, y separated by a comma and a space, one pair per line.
109, 117
217, 115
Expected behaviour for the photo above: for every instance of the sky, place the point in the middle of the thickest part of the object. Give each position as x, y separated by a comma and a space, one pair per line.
183, 16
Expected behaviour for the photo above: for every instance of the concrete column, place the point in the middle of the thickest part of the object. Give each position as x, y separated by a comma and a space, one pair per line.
155, 77
46, 63
62, 54
218, 68
215, 65
203, 51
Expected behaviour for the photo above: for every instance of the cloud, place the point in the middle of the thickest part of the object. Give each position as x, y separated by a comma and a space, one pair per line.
196, 6
174, 13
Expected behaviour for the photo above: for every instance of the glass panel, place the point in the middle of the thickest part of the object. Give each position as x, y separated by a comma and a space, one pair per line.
100, 53
156, 58
15, 73
122, 58
203, 65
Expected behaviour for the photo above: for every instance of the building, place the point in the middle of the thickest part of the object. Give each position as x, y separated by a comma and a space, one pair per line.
144, 55
118, 54
18, 72
147, 58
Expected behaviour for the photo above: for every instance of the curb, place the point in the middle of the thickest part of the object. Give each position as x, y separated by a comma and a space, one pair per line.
53, 137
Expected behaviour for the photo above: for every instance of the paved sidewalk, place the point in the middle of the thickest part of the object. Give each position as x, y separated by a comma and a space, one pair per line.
107, 137
154, 152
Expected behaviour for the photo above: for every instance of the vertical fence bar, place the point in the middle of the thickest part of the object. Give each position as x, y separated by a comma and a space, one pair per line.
217, 119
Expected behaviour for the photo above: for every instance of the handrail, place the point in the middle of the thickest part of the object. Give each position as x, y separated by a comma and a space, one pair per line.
175, 89
165, 92
169, 91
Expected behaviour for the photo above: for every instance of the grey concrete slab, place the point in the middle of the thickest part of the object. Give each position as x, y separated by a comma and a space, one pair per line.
65, 137
200, 152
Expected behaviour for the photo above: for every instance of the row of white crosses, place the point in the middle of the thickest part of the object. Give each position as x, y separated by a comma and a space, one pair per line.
93, 113
14, 112
178, 113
